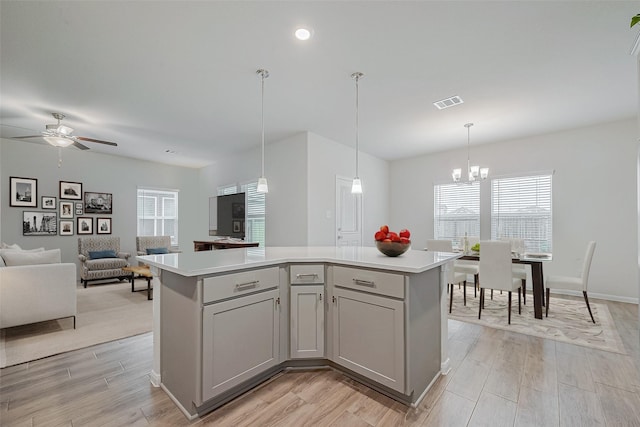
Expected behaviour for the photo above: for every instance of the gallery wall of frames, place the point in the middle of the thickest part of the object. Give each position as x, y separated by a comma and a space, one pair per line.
72, 211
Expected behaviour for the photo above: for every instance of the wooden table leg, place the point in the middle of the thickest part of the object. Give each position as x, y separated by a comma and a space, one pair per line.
132, 281
538, 288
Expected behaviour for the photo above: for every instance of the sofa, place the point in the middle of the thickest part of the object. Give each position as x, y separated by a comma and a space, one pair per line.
100, 259
35, 286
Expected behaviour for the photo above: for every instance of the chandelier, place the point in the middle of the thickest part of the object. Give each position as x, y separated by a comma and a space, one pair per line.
473, 171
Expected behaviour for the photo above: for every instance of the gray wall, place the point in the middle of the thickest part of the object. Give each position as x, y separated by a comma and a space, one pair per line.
594, 197
100, 173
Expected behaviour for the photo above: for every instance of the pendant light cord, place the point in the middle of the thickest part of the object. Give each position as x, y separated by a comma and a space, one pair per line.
357, 125
262, 95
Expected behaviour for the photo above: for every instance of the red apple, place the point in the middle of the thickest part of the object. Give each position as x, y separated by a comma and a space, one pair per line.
404, 233
380, 236
404, 240
384, 229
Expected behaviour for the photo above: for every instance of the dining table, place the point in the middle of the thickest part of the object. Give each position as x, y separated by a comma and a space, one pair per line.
535, 260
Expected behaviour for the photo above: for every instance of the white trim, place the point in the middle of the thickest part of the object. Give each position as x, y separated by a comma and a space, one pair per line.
594, 295
186, 413
424, 393
155, 378
144, 187
523, 174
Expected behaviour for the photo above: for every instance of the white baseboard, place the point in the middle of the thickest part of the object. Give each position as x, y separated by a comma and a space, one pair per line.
155, 378
186, 413
598, 296
445, 367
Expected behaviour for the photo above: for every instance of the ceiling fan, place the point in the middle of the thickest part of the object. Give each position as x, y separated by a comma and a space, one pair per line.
59, 135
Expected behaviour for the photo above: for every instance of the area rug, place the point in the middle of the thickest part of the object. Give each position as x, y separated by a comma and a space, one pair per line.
568, 319
106, 312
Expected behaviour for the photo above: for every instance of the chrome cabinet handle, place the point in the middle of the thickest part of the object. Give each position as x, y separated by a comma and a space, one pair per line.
304, 275
364, 282
247, 285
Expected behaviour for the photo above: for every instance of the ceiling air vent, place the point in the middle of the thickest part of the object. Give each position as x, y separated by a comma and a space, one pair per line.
448, 102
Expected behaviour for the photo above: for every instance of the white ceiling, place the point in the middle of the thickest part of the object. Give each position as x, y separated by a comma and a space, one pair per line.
180, 75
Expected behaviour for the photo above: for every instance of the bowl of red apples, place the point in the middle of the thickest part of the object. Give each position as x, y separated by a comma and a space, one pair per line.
391, 243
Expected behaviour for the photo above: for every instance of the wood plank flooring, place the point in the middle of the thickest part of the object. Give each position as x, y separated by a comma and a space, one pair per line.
498, 378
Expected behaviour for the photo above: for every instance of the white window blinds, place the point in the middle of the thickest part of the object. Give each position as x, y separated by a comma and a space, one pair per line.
157, 213
456, 211
521, 208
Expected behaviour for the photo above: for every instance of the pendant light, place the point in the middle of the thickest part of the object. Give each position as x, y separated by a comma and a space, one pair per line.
356, 186
263, 187
472, 171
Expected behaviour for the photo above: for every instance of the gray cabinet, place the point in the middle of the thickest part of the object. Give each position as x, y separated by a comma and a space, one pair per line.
307, 321
368, 336
240, 339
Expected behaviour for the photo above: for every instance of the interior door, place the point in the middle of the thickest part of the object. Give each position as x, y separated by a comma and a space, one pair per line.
348, 214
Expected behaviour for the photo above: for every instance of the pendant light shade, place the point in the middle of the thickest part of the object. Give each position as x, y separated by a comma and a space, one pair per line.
356, 186
263, 187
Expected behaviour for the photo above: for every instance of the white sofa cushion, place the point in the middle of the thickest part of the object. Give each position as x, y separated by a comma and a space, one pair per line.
4, 245
13, 258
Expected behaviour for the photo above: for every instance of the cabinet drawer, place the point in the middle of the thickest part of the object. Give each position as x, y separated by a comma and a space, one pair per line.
236, 284
376, 282
301, 274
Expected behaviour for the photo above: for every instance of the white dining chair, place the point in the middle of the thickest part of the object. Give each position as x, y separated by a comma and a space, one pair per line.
519, 270
574, 283
469, 267
453, 277
496, 272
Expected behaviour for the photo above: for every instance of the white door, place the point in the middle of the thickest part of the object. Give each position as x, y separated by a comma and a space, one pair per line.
348, 214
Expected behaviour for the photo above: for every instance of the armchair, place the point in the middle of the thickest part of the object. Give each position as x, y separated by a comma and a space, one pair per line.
100, 259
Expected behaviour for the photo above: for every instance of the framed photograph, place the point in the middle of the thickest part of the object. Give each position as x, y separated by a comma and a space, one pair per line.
103, 225
70, 190
66, 209
39, 223
23, 192
66, 227
236, 225
85, 225
100, 203
49, 202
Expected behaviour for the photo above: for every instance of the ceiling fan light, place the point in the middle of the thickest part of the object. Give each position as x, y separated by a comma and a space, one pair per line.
64, 130
456, 175
58, 141
263, 186
484, 173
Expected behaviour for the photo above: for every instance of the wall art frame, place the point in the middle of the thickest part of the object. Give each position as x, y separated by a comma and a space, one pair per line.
23, 192
39, 223
103, 225
66, 227
84, 225
66, 209
49, 202
70, 190
98, 203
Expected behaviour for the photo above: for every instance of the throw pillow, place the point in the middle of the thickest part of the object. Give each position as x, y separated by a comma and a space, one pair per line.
13, 258
157, 251
102, 254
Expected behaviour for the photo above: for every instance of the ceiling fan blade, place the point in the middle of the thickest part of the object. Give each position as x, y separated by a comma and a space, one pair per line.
28, 136
80, 146
82, 138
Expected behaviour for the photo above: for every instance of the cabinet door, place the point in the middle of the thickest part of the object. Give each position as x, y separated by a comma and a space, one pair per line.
307, 321
240, 340
368, 336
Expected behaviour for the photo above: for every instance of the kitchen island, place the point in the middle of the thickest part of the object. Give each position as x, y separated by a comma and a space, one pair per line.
229, 320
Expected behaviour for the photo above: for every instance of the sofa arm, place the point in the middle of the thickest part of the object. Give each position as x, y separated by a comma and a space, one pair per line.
124, 255
141, 253
82, 258
35, 293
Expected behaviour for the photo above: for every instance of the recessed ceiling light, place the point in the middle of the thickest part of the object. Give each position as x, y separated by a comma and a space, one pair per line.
303, 34
448, 102
170, 151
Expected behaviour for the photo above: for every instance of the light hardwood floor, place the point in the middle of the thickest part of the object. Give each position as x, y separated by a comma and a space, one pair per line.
499, 378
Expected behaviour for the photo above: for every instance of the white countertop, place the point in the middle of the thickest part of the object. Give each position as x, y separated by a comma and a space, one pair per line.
220, 261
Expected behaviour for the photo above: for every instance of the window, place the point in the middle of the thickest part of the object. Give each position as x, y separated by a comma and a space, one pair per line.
456, 211
158, 213
255, 210
521, 208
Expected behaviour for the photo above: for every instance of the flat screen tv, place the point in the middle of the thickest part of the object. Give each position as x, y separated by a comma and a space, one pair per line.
231, 215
